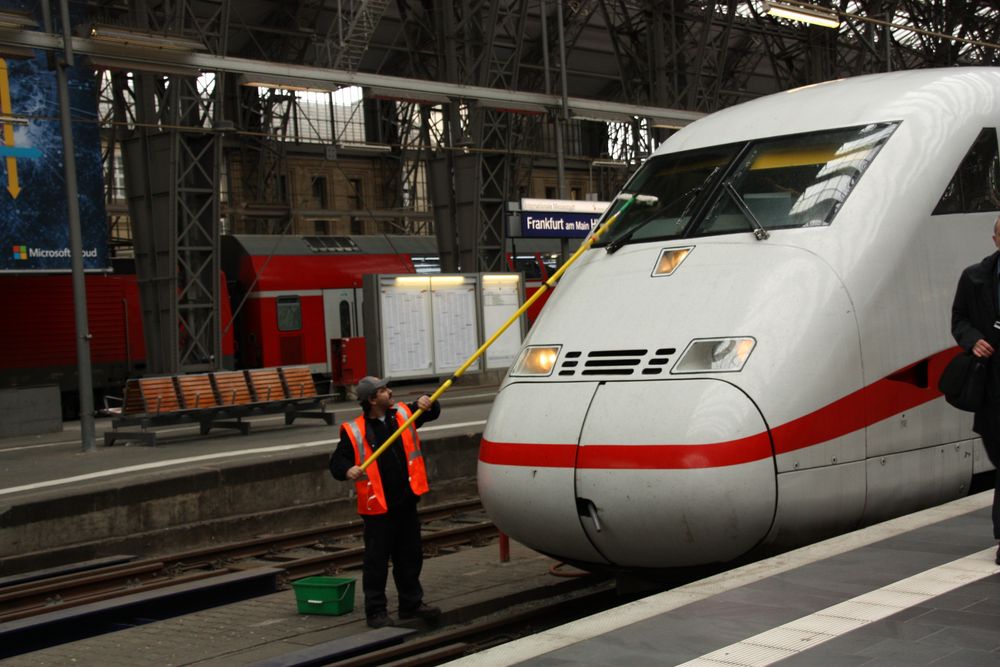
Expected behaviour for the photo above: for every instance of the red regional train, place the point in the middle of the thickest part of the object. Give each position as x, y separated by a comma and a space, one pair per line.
38, 341
286, 297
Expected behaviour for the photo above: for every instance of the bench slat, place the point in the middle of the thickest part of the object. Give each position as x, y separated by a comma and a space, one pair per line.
233, 388
133, 403
266, 384
159, 395
197, 392
298, 381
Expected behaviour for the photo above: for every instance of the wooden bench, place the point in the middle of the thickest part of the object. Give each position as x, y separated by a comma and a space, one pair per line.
217, 400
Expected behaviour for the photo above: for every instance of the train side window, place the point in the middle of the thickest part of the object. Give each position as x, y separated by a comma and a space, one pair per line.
345, 319
289, 313
975, 187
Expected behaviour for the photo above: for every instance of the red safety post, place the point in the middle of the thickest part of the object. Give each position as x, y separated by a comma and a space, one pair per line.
504, 548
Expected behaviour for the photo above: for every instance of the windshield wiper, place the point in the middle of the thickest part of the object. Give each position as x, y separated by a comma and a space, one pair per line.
692, 197
758, 230
649, 200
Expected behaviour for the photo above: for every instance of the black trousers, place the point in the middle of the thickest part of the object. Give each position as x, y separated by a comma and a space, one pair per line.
992, 446
396, 536
996, 506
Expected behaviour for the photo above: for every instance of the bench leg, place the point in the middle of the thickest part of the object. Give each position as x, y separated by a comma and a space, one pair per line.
147, 438
292, 415
239, 425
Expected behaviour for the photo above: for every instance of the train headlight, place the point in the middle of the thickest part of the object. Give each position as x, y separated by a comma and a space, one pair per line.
536, 360
715, 355
670, 259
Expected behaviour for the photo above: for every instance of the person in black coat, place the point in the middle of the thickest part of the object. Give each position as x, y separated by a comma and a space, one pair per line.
975, 324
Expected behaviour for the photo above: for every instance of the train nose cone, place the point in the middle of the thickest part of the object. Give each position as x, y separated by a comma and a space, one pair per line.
677, 473
526, 466
662, 474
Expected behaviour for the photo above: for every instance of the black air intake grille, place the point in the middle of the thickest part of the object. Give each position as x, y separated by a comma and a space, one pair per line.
611, 363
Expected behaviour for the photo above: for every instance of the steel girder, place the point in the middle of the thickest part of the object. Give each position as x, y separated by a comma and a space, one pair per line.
172, 157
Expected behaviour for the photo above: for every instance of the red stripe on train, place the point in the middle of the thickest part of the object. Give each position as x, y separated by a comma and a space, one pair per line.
890, 396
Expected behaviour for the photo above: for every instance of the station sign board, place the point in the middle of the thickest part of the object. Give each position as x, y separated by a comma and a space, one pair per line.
559, 218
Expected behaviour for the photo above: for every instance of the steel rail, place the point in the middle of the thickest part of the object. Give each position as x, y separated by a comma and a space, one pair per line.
44, 595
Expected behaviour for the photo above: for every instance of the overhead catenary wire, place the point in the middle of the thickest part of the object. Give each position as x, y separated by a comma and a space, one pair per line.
548, 284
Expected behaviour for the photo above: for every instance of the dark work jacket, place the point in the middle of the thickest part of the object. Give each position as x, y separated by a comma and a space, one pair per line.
973, 313
391, 463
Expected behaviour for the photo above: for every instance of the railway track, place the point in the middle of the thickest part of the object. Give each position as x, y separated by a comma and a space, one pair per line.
323, 550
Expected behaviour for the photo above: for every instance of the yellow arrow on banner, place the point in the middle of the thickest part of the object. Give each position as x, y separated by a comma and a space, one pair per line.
13, 187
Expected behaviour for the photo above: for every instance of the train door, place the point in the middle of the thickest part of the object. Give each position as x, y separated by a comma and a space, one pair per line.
341, 315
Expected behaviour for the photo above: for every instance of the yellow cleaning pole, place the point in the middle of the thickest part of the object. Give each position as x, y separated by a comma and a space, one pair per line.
506, 325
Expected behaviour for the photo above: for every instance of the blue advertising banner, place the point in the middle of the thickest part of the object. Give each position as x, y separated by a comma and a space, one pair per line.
34, 221
559, 218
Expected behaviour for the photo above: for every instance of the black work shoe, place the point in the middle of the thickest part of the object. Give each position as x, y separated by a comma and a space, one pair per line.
424, 611
379, 619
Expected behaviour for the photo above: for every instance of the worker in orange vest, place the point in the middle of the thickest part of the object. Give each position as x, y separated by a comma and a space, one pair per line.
388, 492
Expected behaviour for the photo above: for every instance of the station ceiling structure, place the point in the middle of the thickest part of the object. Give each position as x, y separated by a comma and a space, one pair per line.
461, 87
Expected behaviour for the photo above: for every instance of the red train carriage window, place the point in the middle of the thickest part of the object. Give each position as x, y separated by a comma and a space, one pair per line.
345, 318
551, 261
336, 244
289, 313
528, 264
975, 187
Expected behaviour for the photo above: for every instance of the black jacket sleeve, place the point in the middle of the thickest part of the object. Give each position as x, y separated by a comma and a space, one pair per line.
962, 327
428, 416
342, 458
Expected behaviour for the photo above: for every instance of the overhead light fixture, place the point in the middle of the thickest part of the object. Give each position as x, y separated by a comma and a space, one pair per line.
364, 148
133, 65
140, 39
16, 21
666, 124
283, 83
603, 117
11, 20
421, 97
804, 12
609, 163
523, 108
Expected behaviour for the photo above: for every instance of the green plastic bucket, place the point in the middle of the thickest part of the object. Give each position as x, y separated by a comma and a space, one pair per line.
332, 596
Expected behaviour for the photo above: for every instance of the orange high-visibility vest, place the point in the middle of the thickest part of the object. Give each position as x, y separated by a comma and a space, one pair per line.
371, 497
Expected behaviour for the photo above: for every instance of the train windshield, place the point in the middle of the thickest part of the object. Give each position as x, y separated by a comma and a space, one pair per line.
777, 183
676, 180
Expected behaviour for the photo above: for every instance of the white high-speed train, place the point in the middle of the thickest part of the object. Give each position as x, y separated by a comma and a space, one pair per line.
748, 358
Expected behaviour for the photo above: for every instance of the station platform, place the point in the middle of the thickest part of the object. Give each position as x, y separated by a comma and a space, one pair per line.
59, 504
922, 589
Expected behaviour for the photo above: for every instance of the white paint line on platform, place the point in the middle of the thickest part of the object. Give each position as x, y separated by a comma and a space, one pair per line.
804, 633
204, 457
